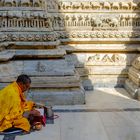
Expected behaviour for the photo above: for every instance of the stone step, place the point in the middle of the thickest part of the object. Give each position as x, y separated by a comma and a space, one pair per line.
57, 67
57, 97
46, 67
29, 53
55, 85
50, 53
56, 82
56, 79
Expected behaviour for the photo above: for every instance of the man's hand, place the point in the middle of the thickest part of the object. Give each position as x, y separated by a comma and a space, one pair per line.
35, 113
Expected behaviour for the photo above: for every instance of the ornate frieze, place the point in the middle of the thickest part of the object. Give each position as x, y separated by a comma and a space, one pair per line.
20, 19
28, 37
98, 34
106, 59
95, 22
93, 6
22, 3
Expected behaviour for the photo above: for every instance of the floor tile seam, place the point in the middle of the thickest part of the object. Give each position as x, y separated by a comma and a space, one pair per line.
97, 110
104, 127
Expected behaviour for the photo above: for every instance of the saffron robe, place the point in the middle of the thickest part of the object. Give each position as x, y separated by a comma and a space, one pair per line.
12, 107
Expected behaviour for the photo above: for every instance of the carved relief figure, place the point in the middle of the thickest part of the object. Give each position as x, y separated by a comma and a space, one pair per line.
113, 22
95, 5
124, 5
25, 3
9, 3
115, 5
106, 5
65, 5
133, 6
40, 67
96, 22
76, 5
37, 3
85, 5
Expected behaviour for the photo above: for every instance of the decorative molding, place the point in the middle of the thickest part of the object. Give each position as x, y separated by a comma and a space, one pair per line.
98, 34
92, 6
22, 3
93, 21
22, 19
28, 37
106, 59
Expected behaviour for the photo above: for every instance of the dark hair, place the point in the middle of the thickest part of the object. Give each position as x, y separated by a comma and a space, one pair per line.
23, 78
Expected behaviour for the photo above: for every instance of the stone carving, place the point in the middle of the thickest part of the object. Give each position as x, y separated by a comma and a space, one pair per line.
27, 33
26, 20
37, 3
133, 5
22, 3
115, 5
9, 2
97, 22
124, 5
113, 22
132, 84
93, 5
106, 5
106, 58
136, 63
98, 34
28, 37
40, 67
25, 3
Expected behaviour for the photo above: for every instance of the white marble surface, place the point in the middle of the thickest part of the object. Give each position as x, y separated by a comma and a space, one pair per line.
96, 125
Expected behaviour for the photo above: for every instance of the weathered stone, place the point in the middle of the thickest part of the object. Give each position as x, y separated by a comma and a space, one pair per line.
64, 43
136, 63
131, 88
57, 96
133, 83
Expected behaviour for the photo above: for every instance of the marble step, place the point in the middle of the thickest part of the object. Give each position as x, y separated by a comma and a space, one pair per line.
56, 82
55, 85
35, 68
50, 53
30, 53
57, 67
57, 97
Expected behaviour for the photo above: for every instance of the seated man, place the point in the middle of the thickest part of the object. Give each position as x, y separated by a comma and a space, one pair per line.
13, 105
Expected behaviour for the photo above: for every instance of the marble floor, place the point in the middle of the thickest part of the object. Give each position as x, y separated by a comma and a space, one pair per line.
109, 114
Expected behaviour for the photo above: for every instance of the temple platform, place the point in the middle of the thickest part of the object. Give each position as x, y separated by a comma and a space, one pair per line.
109, 114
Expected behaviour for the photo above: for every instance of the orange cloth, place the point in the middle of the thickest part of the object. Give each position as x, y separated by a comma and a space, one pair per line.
12, 106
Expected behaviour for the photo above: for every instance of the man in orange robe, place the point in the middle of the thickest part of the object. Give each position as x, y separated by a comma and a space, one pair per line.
13, 105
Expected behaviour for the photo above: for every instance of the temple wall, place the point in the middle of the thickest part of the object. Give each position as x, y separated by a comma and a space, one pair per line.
101, 38
68, 46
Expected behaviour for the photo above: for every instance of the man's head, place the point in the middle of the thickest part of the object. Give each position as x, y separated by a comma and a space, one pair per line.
24, 82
